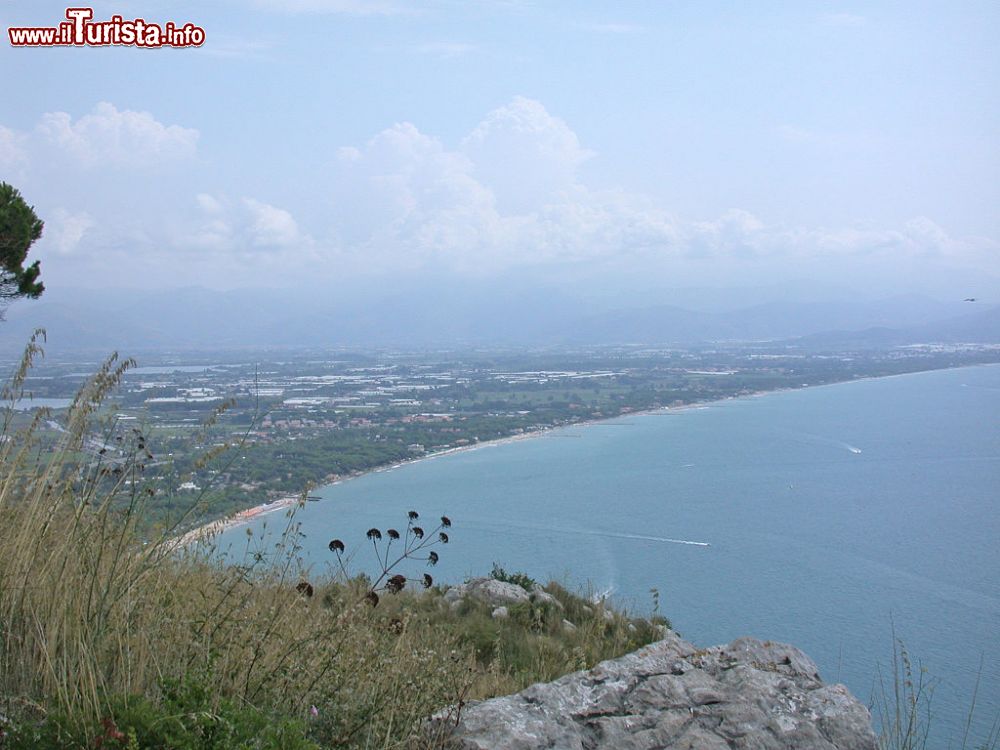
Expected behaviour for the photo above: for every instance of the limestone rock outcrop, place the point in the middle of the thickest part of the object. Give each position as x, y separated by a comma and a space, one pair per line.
747, 695
494, 593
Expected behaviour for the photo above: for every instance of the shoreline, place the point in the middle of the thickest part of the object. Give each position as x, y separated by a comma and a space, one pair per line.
235, 520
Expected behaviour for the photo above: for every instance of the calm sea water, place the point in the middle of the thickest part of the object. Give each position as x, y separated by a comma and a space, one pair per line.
830, 514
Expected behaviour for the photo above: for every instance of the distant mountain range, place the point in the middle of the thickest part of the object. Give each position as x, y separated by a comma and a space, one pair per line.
978, 327
912, 317
423, 316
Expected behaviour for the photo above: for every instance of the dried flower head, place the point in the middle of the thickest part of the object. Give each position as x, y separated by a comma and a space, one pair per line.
336, 546
305, 588
418, 532
374, 534
413, 515
443, 537
392, 534
428, 581
445, 521
372, 598
432, 558
396, 584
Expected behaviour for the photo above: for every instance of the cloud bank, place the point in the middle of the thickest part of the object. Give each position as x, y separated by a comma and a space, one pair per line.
508, 196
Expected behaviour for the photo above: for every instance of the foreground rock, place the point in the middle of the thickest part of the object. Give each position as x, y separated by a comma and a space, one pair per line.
749, 694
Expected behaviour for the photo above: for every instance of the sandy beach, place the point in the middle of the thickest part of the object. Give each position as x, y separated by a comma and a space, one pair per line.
212, 528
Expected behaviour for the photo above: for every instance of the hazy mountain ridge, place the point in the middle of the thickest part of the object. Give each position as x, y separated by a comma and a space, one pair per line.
473, 315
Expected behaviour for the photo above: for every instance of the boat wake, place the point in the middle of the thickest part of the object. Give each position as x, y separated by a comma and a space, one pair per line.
809, 437
645, 538
609, 534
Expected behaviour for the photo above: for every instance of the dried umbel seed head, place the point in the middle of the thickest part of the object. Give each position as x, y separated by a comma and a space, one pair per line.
432, 558
372, 598
413, 515
396, 584
418, 532
445, 521
336, 546
443, 537
305, 588
374, 534
392, 534
428, 581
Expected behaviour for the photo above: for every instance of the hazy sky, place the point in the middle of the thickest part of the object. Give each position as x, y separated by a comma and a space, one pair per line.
323, 140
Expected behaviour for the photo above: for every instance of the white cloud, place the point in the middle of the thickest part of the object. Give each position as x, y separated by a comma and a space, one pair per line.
510, 195
64, 230
112, 137
524, 155
405, 193
271, 226
243, 227
208, 203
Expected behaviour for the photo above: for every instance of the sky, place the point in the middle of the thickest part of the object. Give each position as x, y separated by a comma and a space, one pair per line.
325, 143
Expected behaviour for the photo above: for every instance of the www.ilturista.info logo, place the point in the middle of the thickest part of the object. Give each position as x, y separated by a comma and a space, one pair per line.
80, 30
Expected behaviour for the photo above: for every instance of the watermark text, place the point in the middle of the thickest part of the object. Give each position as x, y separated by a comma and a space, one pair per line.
80, 30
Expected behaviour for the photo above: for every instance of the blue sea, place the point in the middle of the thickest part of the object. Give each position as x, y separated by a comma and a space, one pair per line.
826, 517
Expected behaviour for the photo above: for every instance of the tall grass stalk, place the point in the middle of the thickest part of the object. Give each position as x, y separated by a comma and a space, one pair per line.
902, 706
92, 612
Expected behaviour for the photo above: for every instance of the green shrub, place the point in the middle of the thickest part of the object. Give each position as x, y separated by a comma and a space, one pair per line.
189, 716
518, 578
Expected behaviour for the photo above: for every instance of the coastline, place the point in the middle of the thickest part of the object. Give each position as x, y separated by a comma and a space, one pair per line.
240, 518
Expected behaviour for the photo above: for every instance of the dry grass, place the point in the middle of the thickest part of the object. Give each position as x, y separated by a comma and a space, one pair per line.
94, 616
91, 612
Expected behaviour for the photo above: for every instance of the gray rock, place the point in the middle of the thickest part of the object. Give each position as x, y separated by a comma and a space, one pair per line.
568, 626
500, 613
748, 695
541, 596
492, 592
